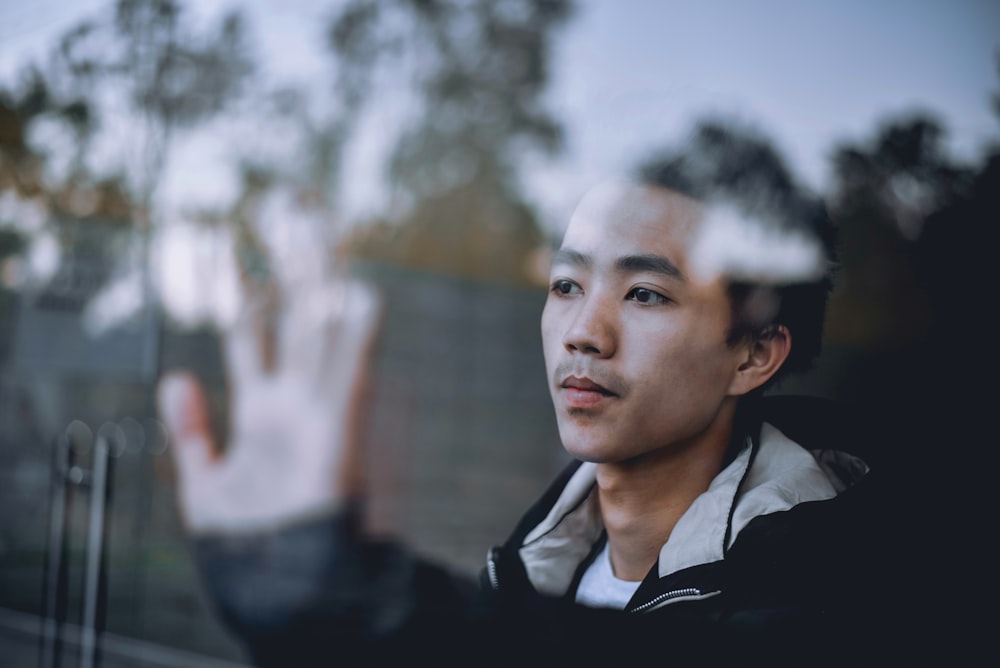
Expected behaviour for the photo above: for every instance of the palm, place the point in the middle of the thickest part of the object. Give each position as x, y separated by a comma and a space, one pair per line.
293, 422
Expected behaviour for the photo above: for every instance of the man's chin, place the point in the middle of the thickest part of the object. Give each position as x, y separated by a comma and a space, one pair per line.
595, 453
590, 441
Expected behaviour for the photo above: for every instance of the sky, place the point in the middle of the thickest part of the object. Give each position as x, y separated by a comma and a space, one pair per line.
630, 76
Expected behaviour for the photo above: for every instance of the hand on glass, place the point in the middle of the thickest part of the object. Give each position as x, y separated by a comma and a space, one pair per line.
297, 373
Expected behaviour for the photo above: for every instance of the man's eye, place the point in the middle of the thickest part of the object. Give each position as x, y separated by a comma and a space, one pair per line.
564, 287
646, 296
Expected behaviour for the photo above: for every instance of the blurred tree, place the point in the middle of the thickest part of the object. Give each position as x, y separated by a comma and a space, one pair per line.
169, 75
41, 201
479, 69
751, 162
143, 72
22, 165
953, 255
917, 232
883, 193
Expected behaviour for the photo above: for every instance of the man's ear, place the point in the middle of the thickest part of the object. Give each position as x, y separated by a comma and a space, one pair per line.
764, 356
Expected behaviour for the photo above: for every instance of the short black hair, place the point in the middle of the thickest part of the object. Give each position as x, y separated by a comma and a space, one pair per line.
723, 162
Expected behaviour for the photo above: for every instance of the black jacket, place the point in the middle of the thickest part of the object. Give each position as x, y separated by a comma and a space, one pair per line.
779, 562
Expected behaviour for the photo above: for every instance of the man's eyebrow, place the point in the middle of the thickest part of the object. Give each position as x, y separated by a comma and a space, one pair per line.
569, 256
656, 264
628, 264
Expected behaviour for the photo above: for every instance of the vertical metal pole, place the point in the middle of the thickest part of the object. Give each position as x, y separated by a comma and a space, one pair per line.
55, 583
95, 545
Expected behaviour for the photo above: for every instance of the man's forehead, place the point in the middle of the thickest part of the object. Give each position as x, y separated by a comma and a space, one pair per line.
622, 217
628, 208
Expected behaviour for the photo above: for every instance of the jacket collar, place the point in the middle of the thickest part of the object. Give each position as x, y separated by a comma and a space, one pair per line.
768, 474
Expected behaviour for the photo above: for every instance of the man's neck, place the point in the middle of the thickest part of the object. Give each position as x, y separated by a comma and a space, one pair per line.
642, 499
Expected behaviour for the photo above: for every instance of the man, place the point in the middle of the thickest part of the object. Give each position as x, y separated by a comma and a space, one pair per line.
691, 524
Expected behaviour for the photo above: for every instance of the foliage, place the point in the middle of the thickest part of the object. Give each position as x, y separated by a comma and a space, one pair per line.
479, 70
39, 204
127, 79
170, 75
885, 191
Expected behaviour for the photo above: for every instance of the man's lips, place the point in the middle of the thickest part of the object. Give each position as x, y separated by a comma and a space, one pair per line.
586, 385
584, 393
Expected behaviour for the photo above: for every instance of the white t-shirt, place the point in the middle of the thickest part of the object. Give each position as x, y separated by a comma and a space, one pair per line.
599, 588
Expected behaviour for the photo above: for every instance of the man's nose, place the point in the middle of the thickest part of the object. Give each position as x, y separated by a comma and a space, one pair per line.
593, 330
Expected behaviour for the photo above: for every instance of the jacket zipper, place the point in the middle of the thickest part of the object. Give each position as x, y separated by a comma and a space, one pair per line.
491, 570
677, 593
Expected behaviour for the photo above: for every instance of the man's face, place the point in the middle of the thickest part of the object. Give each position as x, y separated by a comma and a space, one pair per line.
634, 340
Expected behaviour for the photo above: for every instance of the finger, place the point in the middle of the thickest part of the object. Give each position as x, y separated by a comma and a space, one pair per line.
249, 343
348, 336
362, 318
184, 410
308, 325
